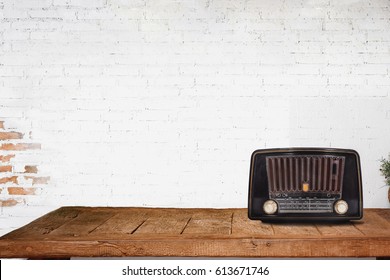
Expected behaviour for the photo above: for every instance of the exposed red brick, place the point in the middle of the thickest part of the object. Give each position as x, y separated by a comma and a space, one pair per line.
13, 179
6, 168
20, 146
6, 158
38, 180
8, 202
2, 124
10, 135
21, 191
30, 169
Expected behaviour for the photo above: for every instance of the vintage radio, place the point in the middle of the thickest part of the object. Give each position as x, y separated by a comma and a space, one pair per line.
305, 184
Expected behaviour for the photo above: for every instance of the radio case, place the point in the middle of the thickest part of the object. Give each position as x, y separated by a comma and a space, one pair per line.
305, 184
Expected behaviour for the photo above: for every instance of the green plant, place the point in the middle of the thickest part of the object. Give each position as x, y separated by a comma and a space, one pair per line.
385, 169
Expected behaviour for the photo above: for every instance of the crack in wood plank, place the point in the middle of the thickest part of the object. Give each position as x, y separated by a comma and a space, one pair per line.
185, 225
273, 230
354, 225
139, 226
100, 224
231, 224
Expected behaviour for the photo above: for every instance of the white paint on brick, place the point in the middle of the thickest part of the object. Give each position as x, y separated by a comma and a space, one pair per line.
161, 103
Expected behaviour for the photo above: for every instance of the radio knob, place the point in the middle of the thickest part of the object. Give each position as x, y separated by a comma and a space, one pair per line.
341, 207
270, 207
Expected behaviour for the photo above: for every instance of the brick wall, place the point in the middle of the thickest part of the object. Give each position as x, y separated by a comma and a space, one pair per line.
21, 181
160, 103
15, 180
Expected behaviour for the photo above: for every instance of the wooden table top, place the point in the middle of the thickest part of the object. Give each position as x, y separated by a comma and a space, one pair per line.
125, 232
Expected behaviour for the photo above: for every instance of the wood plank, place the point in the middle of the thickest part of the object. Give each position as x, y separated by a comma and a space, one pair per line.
243, 226
373, 224
46, 224
212, 221
83, 224
295, 229
116, 232
164, 222
121, 224
383, 213
345, 229
201, 247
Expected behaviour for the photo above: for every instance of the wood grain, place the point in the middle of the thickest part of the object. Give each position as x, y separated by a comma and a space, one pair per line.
245, 227
374, 224
345, 229
160, 223
46, 224
215, 222
291, 229
122, 223
83, 224
123, 232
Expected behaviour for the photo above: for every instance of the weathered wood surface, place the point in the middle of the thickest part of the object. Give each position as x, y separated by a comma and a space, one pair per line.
124, 232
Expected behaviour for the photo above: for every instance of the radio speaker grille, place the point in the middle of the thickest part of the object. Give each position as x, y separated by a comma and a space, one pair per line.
308, 174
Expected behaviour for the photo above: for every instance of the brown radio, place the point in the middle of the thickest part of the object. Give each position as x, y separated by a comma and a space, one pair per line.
305, 184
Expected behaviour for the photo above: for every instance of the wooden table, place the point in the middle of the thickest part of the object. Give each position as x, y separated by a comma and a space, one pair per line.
123, 232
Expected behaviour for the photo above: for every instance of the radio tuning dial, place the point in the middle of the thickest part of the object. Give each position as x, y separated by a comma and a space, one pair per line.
270, 207
341, 207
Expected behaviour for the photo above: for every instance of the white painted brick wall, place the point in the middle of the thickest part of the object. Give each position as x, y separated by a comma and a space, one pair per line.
160, 103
